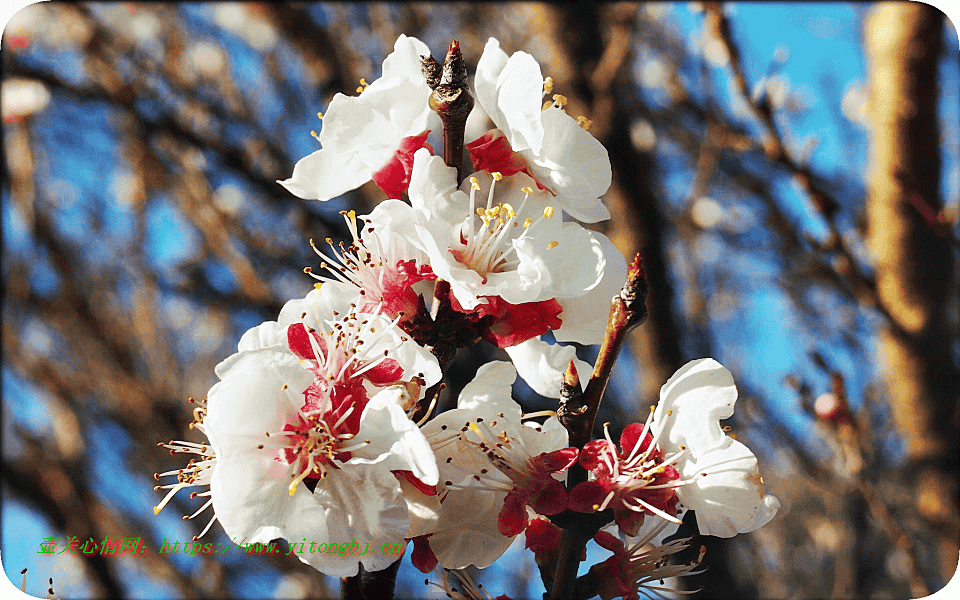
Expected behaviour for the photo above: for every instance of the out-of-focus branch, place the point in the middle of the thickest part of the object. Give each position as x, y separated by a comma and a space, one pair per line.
821, 200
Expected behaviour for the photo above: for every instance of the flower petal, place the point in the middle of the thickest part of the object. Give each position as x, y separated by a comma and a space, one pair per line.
728, 492
404, 61
584, 321
542, 365
573, 165
326, 174
692, 403
396, 443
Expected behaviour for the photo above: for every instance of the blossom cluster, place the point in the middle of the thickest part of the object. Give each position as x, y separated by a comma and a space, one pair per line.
321, 425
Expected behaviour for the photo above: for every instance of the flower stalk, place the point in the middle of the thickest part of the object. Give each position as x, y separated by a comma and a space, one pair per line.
627, 310
578, 411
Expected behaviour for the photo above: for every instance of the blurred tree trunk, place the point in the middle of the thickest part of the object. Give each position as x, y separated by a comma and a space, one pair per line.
914, 266
591, 48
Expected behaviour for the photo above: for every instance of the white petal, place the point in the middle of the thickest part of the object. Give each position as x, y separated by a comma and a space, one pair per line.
546, 438
266, 335
396, 442
250, 487
363, 504
492, 385
423, 510
728, 492
433, 189
542, 365
697, 397
326, 174
467, 531
574, 165
575, 263
404, 61
394, 221
519, 94
653, 531
318, 306
584, 317
489, 67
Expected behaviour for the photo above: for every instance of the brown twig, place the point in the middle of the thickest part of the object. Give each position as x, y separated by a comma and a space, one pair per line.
578, 411
627, 310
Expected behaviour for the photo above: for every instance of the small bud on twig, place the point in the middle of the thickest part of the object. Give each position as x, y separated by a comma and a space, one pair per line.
451, 99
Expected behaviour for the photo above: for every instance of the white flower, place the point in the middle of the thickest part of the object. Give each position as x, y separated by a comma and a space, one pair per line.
373, 135
303, 450
584, 318
511, 259
492, 467
517, 248
726, 489
547, 144
381, 264
680, 454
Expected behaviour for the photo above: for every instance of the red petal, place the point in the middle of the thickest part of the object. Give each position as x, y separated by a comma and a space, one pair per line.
631, 437
557, 461
343, 398
422, 556
299, 342
629, 521
513, 516
414, 272
609, 541
542, 535
429, 490
586, 496
492, 152
592, 453
397, 291
387, 372
394, 177
517, 323
550, 498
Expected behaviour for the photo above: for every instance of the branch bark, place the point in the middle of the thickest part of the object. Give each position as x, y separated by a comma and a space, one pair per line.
914, 266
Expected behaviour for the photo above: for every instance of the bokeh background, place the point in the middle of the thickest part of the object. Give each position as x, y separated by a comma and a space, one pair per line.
789, 173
